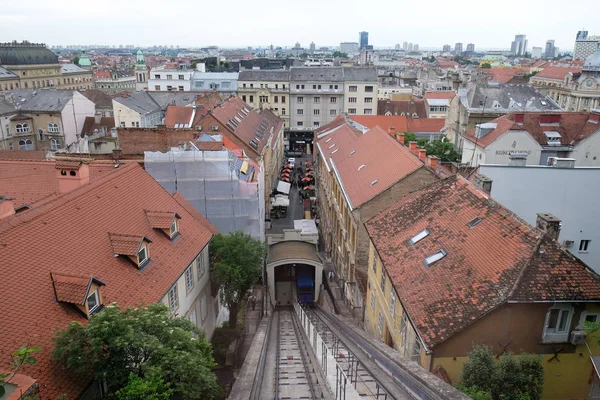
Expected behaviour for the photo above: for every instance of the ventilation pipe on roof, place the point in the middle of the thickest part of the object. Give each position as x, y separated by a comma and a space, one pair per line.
484, 183
7, 207
71, 175
517, 159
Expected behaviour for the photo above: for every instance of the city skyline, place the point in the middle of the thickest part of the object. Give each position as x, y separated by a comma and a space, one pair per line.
144, 24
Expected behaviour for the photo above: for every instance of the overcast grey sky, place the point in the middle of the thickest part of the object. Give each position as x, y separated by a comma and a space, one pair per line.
431, 23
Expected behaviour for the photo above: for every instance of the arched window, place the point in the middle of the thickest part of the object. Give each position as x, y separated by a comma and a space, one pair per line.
40, 134
54, 144
53, 127
26, 144
22, 128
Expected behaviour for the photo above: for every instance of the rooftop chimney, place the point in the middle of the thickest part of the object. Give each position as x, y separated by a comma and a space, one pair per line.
484, 183
517, 159
71, 175
423, 155
563, 162
549, 224
392, 130
7, 207
594, 117
412, 146
97, 118
432, 162
400, 137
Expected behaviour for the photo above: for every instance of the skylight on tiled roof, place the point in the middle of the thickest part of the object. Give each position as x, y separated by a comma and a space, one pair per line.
362, 166
328, 140
352, 152
374, 182
335, 151
331, 146
435, 257
421, 235
472, 223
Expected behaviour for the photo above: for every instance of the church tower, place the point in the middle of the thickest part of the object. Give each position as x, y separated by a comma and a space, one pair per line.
141, 72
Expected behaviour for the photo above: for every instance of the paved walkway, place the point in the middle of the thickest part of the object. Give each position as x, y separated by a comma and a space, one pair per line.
251, 322
335, 288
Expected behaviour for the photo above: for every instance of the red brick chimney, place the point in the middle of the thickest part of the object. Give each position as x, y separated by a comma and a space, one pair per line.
400, 137
7, 207
412, 146
392, 130
432, 161
71, 175
423, 155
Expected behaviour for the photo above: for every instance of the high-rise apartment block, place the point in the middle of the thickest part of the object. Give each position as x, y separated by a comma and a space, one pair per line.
519, 45
458, 48
550, 49
363, 39
585, 45
470, 48
446, 48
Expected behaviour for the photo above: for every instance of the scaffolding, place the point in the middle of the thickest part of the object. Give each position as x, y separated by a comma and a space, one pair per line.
217, 183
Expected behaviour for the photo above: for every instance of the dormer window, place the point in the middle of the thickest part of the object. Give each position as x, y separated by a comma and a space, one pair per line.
165, 221
132, 247
81, 291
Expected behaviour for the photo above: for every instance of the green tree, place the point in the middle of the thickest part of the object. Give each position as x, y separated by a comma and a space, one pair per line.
339, 54
236, 262
511, 378
409, 137
152, 388
442, 149
486, 65
21, 356
147, 342
75, 60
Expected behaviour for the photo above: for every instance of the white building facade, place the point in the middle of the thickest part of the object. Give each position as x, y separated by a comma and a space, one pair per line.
567, 193
169, 80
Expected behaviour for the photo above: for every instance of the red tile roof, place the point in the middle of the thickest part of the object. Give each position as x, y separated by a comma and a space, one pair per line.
366, 163
161, 219
573, 128
90, 125
28, 182
139, 140
178, 115
71, 288
501, 258
440, 95
556, 73
22, 155
71, 236
248, 125
402, 107
383, 121
102, 75
124, 244
503, 75
427, 125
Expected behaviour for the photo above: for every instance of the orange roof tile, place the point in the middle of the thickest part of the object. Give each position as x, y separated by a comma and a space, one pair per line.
383, 121
71, 236
28, 182
161, 219
70, 288
501, 258
556, 73
367, 163
440, 95
420, 125
176, 115
123, 244
402, 107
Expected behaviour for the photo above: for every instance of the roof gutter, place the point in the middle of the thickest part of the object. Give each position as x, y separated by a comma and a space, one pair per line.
323, 157
551, 301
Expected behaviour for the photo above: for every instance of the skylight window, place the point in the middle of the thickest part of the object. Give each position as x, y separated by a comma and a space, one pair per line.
472, 223
352, 152
434, 257
362, 166
374, 182
332, 145
328, 140
421, 235
333, 152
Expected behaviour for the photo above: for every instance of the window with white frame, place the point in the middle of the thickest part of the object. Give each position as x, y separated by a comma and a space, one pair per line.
53, 127
590, 317
403, 328
333, 99
316, 112
416, 353
316, 100
201, 268
189, 279
192, 317
368, 111
26, 144
203, 309
380, 323
22, 128
352, 111
93, 302
54, 144
353, 88
368, 99
372, 301
173, 298
351, 99
142, 256
300, 111
333, 113
584, 244
558, 323
40, 134
392, 302
382, 279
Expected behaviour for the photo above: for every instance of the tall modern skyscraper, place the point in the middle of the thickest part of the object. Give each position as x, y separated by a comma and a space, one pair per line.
519, 46
458, 48
363, 39
397, 46
549, 50
446, 48
585, 45
416, 47
405, 46
470, 48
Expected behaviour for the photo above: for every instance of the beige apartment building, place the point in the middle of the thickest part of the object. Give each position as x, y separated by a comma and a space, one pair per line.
360, 91
267, 89
33, 66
